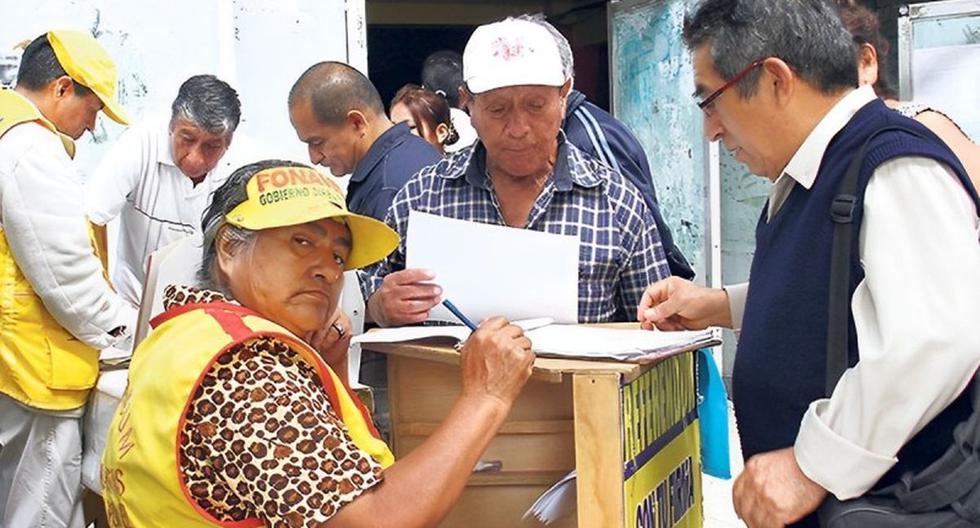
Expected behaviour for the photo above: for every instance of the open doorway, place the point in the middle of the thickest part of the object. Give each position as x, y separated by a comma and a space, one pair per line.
396, 52
401, 34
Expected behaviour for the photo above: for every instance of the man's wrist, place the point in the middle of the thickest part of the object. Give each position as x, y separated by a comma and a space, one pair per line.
851, 469
374, 312
723, 312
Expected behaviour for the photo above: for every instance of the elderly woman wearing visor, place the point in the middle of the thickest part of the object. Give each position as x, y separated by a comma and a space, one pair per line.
235, 414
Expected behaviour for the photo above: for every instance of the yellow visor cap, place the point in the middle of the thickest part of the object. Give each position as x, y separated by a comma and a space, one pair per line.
286, 196
88, 64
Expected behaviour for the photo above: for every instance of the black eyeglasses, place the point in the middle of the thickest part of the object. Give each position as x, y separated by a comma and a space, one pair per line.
705, 104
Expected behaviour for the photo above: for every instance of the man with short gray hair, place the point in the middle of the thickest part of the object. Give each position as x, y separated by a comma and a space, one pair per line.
160, 174
783, 98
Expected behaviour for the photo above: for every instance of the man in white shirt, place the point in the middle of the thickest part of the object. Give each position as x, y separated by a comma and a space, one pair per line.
56, 307
781, 96
160, 174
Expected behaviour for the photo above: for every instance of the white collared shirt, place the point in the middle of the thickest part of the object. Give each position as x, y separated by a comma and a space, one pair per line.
916, 311
139, 181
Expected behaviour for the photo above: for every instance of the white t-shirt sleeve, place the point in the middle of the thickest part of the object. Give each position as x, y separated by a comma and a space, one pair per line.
116, 176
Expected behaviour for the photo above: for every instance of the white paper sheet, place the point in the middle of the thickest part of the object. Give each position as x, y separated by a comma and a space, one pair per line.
590, 342
556, 502
488, 270
946, 79
403, 334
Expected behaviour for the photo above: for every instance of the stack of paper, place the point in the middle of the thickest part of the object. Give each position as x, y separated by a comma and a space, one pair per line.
634, 345
572, 341
556, 502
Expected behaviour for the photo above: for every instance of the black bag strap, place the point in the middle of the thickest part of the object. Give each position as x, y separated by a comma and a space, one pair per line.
952, 480
960, 475
842, 209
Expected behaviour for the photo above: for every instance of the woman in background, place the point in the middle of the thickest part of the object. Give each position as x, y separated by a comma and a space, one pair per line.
872, 50
427, 114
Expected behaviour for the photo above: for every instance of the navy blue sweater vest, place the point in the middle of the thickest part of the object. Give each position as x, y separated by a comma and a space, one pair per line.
781, 362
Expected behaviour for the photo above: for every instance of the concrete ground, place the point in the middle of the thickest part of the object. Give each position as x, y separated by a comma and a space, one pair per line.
717, 493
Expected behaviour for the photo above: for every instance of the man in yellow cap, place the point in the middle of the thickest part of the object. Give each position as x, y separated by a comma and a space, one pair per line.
56, 307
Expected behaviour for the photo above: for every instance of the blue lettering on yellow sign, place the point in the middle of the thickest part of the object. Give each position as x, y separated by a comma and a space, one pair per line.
670, 500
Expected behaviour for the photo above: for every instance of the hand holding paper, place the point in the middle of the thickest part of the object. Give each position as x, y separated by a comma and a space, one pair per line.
405, 297
494, 270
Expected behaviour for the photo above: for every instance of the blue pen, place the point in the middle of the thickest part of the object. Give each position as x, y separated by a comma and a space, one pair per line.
452, 308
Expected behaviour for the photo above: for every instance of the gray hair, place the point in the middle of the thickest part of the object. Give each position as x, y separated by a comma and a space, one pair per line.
564, 48
217, 230
208, 102
805, 34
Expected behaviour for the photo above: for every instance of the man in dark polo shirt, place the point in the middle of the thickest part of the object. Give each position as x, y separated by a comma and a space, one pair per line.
338, 113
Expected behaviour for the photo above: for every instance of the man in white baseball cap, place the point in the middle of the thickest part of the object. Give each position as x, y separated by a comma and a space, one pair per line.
522, 173
511, 53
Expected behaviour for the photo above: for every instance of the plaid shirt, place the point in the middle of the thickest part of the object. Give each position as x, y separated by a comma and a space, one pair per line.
619, 252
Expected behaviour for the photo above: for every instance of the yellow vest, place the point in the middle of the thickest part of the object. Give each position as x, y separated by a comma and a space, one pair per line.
142, 484
41, 364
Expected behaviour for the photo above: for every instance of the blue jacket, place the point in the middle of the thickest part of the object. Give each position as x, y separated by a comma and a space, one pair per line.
601, 135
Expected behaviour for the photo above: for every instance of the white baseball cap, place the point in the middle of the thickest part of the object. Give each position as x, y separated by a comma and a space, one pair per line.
511, 53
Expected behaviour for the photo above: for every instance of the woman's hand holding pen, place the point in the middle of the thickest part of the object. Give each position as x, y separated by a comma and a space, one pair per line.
496, 362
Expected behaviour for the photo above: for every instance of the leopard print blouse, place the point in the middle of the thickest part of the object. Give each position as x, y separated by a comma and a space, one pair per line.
260, 438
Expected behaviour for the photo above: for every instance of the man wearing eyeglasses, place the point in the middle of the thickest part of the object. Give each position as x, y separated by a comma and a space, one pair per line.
782, 97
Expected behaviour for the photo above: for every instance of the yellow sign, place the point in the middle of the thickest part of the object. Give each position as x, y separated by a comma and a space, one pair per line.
661, 447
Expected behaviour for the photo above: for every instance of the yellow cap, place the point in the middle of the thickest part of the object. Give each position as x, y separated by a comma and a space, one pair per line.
285, 196
87, 63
